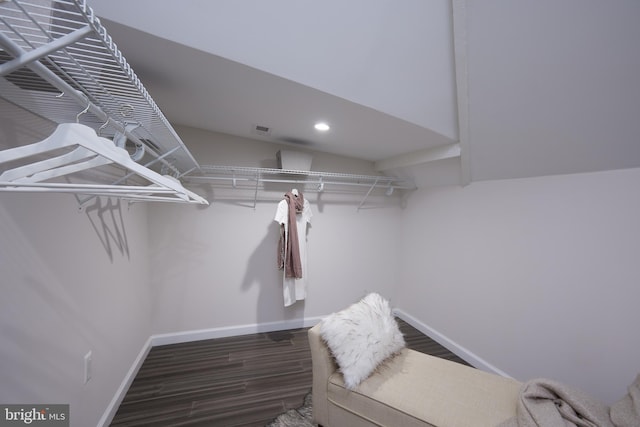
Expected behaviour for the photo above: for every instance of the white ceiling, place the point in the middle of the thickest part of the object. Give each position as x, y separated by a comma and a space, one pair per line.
544, 87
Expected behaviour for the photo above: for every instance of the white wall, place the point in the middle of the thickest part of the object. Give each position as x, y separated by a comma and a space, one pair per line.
553, 87
72, 282
215, 267
394, 57
538, 276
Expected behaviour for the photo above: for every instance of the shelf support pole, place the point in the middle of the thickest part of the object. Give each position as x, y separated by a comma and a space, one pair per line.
255, 194
26, 58
368, 192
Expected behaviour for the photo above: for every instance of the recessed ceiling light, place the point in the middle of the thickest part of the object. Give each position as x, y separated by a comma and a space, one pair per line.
321, 126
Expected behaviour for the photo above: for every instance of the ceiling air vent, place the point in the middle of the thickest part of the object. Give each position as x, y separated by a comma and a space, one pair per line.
262, 130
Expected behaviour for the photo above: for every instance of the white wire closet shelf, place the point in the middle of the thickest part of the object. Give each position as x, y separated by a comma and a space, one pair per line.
58, 62
316, 181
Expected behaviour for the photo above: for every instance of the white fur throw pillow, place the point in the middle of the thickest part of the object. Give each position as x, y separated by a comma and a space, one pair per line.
361, 336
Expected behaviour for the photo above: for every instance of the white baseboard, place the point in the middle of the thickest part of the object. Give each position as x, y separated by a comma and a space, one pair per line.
450, 345
111, 410
232, 331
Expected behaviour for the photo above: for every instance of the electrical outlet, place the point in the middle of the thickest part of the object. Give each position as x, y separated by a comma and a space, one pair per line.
88, 359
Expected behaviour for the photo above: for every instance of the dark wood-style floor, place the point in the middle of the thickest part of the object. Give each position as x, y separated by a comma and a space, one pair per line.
237, 381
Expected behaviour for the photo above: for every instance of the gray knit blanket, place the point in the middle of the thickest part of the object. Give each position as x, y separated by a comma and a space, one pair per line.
548, 403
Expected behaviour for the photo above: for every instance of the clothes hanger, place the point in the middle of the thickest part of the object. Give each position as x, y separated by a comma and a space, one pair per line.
65, 135
90, 151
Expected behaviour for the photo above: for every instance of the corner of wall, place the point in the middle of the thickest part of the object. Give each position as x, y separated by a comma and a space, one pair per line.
451, 345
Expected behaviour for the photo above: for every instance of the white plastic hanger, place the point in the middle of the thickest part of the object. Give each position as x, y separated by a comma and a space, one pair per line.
90, 151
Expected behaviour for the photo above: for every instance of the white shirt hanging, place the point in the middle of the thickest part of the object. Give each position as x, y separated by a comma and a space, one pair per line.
295, 289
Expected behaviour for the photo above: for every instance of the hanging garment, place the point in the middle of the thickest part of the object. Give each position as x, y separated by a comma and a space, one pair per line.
290, 215
289, 241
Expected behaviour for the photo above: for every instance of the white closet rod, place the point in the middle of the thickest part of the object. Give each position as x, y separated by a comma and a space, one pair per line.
223, 172
235, 174
210, 173
299, 181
